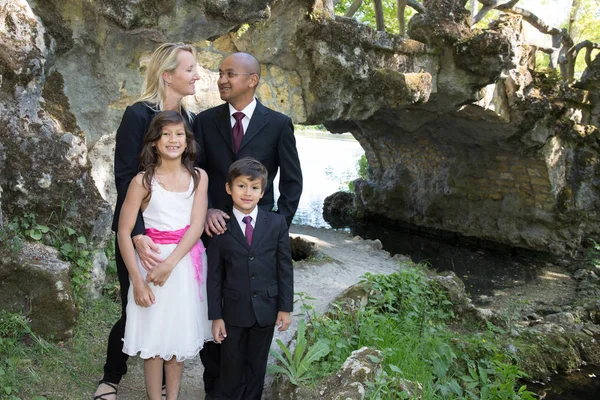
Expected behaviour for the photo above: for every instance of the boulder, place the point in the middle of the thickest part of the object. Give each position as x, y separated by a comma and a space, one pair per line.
301, 248
348, 383
351, 300
35, 281
338, 209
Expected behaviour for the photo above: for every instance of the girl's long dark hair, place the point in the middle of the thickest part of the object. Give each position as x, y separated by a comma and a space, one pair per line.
150, 159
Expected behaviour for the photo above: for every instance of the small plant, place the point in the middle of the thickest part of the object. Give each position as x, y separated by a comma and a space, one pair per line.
296, 366
11, 237
305, 306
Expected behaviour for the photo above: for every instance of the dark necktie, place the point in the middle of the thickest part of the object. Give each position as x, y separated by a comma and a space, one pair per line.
238, 130
249, 229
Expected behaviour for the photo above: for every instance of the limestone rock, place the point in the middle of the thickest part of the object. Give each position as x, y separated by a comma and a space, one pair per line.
361, 366
351, 300
454, 289
36, 281
46, 163
98, 272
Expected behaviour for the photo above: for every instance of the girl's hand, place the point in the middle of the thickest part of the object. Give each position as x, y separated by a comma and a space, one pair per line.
159, 274
148, 252
143, 295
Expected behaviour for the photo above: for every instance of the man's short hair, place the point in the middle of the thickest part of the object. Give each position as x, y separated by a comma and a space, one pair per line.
250, 167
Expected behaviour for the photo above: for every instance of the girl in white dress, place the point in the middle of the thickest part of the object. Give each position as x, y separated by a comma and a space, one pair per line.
167, 316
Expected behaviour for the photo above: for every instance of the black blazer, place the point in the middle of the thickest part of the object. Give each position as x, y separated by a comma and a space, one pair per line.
128, 148
251, 284
269, 139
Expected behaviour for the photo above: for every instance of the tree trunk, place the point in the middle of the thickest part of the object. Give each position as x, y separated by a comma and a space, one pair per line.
353, 8
400, 9
572, 15
474, 10
379, 15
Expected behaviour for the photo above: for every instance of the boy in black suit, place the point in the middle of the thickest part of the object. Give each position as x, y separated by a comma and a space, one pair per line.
249, 284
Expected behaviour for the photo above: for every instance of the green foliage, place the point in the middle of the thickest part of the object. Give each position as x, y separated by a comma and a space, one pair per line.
593, 254
405, 318
366, 13
363, 166
408, 294
295, 366
11, 237
112, 287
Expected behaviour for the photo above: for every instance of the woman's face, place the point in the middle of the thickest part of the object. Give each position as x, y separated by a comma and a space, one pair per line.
184, 77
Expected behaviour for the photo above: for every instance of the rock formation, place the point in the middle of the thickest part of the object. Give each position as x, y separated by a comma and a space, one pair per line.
459, 133
362, 366
35, 281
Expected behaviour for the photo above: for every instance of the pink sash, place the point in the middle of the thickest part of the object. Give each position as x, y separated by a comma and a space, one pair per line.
174, 237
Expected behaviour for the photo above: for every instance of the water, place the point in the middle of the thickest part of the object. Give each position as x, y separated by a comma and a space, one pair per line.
329, 161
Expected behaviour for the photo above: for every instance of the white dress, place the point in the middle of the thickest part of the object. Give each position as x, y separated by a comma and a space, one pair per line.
177, 324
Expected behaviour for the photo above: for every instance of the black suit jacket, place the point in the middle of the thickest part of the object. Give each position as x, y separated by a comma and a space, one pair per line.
128, 148
251, 284
269, 138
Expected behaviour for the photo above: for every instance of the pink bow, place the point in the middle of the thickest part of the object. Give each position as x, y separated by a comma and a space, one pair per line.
174, 237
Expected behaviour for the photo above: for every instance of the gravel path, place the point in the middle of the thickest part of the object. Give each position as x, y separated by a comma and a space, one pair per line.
347, 260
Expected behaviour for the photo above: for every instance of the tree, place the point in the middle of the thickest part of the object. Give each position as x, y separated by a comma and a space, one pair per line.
364, 11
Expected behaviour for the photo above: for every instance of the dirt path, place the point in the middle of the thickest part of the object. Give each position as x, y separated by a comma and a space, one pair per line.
347, 259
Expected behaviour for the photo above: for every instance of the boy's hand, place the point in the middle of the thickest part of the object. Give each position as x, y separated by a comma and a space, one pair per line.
218, 330
284, 319
215, 222
159, 274
143, 295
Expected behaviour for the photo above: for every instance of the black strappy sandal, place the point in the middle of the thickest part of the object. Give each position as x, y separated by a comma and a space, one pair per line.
164, 387
101, 396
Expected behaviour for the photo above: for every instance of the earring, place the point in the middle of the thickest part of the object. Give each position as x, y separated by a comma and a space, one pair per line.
169, 84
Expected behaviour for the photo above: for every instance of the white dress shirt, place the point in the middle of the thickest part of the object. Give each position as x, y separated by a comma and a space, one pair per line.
248, 111
240, 215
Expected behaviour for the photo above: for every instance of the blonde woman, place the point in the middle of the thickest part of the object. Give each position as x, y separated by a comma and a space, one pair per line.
170, 77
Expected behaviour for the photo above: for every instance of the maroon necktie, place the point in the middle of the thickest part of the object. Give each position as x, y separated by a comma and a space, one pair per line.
249, 229
238, 130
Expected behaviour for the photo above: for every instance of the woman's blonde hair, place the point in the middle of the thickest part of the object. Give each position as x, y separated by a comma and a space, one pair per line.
164, 59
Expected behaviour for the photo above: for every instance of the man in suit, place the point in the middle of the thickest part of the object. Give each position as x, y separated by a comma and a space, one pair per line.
249, 284
266, 135
261, 133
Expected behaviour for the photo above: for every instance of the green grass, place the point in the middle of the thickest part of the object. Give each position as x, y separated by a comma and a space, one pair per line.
31, 368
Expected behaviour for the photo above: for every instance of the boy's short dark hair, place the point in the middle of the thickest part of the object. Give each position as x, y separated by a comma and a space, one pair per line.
249, 167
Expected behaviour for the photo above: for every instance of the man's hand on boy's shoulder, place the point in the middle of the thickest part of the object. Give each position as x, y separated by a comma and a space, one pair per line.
215, 222
284, 319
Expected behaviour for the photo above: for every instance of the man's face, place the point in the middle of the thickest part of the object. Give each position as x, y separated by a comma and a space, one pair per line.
236, 83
